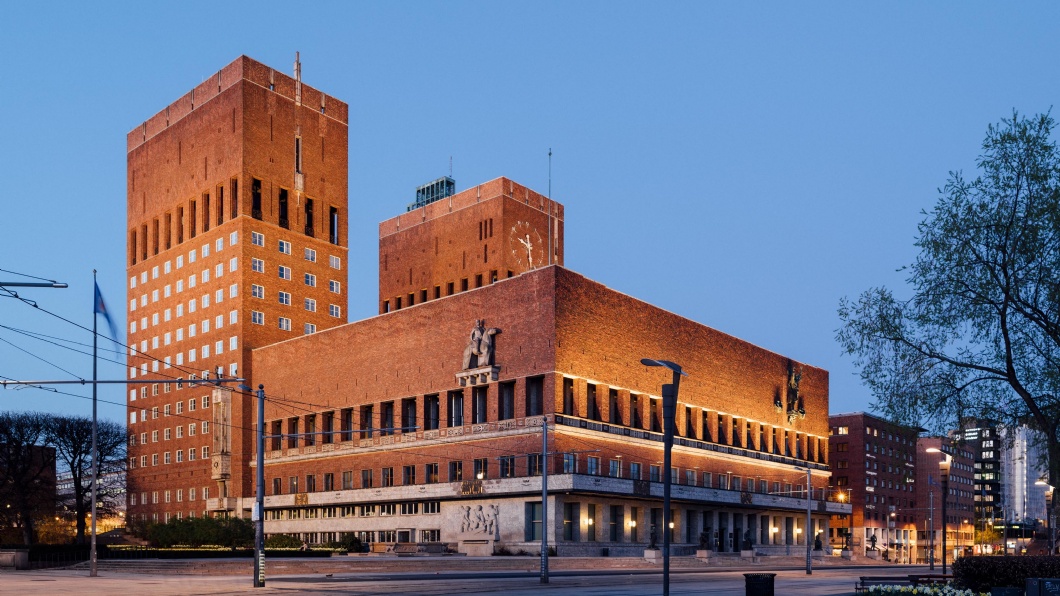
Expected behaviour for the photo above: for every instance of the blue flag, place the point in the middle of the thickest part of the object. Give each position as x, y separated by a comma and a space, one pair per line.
100, 308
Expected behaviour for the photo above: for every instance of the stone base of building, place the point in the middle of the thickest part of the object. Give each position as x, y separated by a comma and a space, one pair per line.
476, 548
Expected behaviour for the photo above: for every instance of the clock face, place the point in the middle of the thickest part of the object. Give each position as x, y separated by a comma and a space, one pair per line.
527, 247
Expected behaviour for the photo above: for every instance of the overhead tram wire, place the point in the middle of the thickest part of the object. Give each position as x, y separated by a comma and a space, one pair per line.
48, 362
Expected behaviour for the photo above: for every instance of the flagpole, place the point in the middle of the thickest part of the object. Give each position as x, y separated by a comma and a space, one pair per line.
95, 455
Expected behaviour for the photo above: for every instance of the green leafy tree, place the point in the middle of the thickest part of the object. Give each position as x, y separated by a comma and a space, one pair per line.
980, 333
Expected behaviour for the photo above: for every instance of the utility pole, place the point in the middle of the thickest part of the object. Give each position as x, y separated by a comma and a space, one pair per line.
931, 534
544, 499
259, 502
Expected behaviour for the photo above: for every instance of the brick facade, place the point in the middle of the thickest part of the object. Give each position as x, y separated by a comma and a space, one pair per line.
206, 179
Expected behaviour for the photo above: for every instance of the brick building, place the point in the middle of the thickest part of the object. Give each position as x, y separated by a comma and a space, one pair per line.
237, 238
424, 423
873, 462
958, 523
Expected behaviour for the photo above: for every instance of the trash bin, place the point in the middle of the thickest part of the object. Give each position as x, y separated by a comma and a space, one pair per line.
759, 584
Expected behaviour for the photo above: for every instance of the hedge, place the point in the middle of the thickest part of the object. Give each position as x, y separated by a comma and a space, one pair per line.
982, 573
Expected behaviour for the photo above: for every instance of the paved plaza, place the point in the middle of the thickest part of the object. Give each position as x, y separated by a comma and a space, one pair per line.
823, 582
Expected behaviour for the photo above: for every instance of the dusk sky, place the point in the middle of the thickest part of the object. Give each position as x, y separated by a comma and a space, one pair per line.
744, 165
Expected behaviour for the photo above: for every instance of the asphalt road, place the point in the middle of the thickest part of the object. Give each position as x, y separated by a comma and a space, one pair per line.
823, 582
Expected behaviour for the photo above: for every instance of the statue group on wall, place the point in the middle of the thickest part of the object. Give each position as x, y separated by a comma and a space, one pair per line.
479, 520
479, 350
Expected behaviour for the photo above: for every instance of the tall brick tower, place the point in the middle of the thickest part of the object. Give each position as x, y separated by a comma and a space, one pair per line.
451, 244
237, 238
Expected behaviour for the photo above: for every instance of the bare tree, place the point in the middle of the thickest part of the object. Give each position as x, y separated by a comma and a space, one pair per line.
72, 438
27, 472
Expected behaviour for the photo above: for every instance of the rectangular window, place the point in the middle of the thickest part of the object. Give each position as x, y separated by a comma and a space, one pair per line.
366, 479
478, 405
615, 468
408, 415
568, 396
430, 412
481, 468
571, 515
284, 324
310, 280
311, 255
634, 471
593, 465
285, 247
506, 401
430, 473
347, 480
285, 272
615, 525
408, 475
258, 318
533, 522
285, 298
456, 471
335, 262
534, 462
257, 266
534, 390
507, 466
570, 463
386, 418
335, 286
334, 310
388, 477
455, 409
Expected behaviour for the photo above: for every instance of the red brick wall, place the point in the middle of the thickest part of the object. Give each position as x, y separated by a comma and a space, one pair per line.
471, 233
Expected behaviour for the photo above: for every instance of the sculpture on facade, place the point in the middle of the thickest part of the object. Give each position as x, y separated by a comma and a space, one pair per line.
479, 350
793, 406
479, 520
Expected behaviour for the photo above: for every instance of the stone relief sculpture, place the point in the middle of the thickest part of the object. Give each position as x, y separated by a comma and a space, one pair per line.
793, 407
479, 520
479, 350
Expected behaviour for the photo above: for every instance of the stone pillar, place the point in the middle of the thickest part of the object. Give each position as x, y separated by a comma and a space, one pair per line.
623, 407
581, 407
519, 403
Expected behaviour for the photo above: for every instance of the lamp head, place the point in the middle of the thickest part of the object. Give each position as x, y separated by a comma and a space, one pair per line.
665, 364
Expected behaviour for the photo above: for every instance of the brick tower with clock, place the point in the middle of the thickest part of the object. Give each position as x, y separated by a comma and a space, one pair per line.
473, 238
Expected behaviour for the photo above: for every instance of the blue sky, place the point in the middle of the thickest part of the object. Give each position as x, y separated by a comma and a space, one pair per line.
741, 164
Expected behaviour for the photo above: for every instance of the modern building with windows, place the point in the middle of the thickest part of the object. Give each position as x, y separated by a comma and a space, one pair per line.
873, 463
488, 366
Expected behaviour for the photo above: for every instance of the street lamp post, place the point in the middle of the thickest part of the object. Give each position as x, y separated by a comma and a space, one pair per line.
669, 395
944, 472
806, 534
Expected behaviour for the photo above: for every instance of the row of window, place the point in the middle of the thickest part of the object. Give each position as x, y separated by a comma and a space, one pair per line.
515, 466
404, 415
167, 496
414, 298
373, 510
731, 430
258, 239
169, 457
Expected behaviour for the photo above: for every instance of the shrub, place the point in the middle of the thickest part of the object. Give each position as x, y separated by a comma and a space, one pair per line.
982, 573
231, 532
349, 543
282, 541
